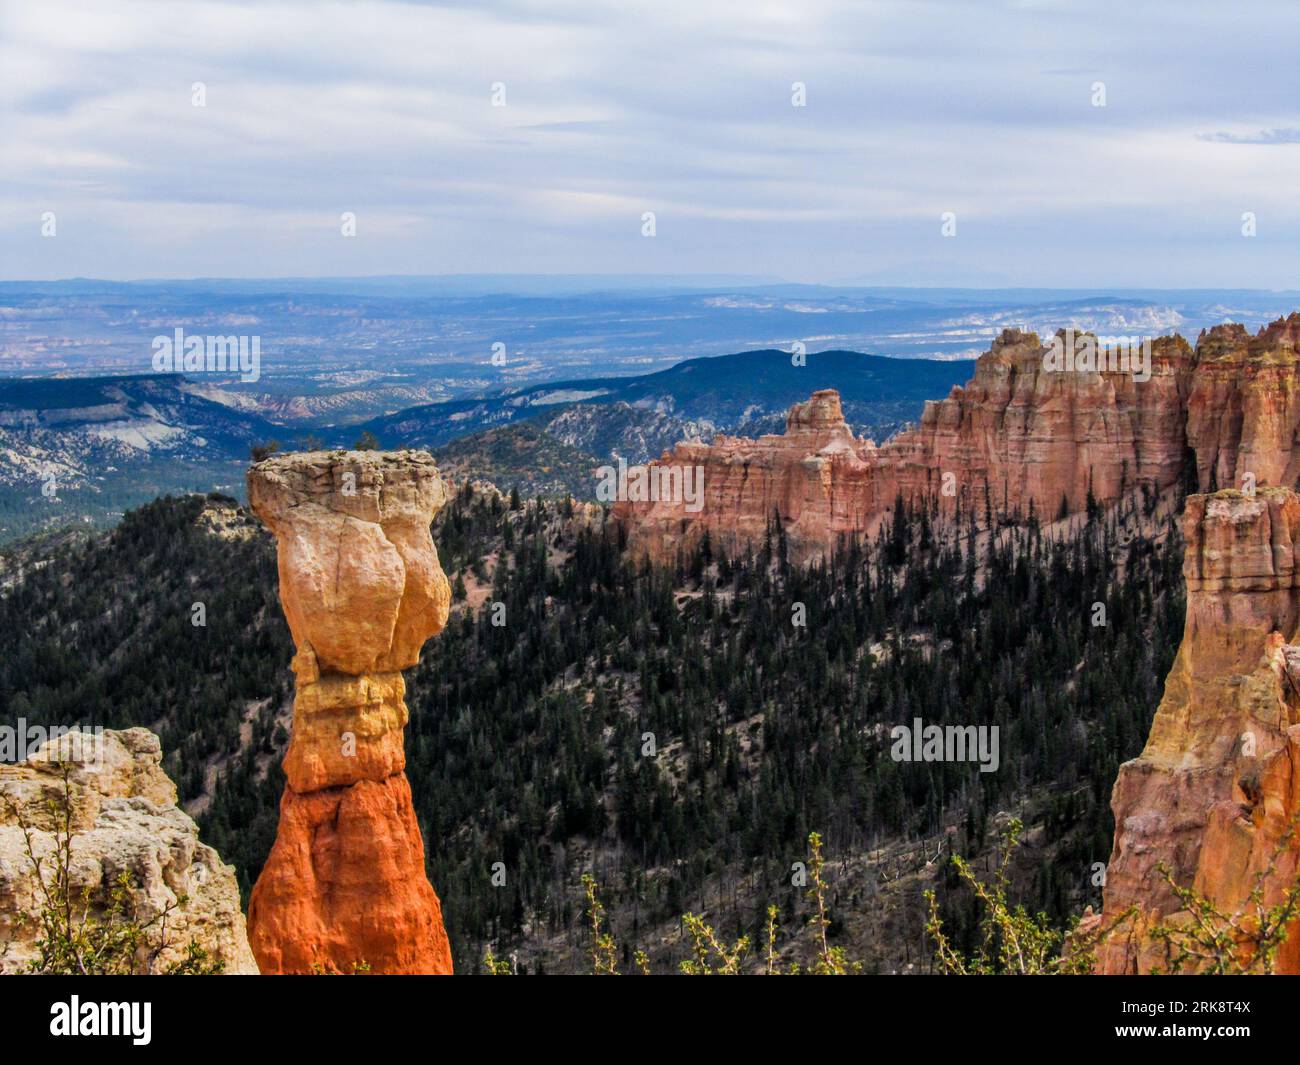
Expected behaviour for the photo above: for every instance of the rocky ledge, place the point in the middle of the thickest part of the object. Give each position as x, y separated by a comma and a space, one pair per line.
121, 817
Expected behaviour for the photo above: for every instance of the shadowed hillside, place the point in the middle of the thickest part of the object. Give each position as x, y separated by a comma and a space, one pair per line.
527, 740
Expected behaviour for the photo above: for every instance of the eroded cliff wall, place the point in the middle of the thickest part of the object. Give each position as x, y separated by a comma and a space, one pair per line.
1218, 783
1021, 437
1217, 788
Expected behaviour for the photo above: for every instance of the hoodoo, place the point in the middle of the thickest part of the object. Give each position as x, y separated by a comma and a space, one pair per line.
345, 887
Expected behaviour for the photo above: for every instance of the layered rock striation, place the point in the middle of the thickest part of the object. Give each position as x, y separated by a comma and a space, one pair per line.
1218, 784
345, 884
1216, 790
817, 479
1243, 412
1023, 436
121, 818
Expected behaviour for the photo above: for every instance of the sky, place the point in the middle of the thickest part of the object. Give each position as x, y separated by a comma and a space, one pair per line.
533, 137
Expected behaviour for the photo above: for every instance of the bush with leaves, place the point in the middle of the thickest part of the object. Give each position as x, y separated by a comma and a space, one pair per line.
1245, 943
1200, 939
710, 954
1013, 941
77, 941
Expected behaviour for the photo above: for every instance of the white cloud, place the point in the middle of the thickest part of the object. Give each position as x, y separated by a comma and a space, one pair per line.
680, 107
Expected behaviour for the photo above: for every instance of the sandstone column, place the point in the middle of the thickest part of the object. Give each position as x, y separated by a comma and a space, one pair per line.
362, 590
1218, 783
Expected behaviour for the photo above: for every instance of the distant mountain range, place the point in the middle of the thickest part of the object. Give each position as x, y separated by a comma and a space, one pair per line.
733, 393
347, 350
84, 449
411, 362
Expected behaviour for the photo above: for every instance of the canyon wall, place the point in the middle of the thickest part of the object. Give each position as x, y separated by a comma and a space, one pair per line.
1033, 436
1217, 788
1020, 435
1218, 783
345, 885
1215, 793
1018, 438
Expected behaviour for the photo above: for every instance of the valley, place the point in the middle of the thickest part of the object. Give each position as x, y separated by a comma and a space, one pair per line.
522, 489
526, 741
676, 701
82, 450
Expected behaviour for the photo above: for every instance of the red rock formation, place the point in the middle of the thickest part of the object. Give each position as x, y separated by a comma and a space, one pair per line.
1218, 784
818, 477
1219, 779
1020, 430
1019, 434
362, 590
346, 885
1244, 410
1036, 435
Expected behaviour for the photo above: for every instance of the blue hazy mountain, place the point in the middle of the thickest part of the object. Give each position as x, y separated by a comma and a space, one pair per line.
748, 392
76, 450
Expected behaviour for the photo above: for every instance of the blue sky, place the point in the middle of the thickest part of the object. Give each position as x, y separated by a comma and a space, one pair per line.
983, 109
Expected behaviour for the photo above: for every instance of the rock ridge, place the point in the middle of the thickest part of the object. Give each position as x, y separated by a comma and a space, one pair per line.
1022, 437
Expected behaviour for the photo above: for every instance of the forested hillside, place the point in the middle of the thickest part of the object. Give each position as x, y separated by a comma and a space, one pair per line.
677, 734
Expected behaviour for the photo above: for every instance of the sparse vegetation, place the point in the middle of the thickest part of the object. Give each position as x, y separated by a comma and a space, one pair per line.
710, 954
762, 730
357, 968
79, 938
1012, 940
1245, 943
1202, 939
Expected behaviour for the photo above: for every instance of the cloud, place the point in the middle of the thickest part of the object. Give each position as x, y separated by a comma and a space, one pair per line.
316, 107
1264, 136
